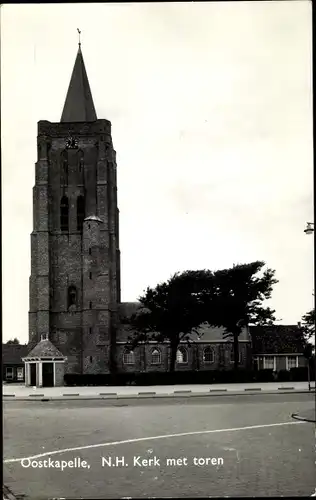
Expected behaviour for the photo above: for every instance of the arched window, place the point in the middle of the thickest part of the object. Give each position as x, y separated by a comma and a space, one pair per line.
128, 357
80, 212
64, 213
64, 168
155, 357
182, 355
80, 160
72, 296
208, 355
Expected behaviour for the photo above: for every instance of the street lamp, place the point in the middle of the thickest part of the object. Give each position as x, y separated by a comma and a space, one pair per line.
309, 228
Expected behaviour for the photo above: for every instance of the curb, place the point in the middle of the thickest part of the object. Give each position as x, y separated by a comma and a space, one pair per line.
302, 419
152, 395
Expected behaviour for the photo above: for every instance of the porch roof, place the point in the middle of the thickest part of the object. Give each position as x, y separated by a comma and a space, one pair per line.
44, 349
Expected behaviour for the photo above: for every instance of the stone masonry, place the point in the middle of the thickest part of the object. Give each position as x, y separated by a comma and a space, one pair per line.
75, 257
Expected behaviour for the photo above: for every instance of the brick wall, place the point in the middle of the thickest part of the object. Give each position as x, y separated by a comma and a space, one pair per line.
195, 361
88, 260
59, 374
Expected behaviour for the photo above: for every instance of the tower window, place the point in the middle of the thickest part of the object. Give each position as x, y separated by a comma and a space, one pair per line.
90, 330
64, 168
90, 359
90, 275
89, 251
72, 296
64, 214
90, 304
80, 212
80, 156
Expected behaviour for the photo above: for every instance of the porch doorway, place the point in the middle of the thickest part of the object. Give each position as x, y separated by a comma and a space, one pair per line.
33, 374
48, 374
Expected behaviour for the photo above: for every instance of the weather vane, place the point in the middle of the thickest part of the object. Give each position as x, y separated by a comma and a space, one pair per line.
79, 32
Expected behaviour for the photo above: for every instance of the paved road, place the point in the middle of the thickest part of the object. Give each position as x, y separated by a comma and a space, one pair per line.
243, 451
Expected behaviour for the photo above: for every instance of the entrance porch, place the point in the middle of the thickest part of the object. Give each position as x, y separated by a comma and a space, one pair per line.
44, 366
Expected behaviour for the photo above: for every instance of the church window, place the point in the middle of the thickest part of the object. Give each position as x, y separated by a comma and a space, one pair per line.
64, 214
72, 296
80, 212
128, 357
182, 355
89, 251
208, 355
64, 167
90, 359
90, 304
155, 357
90, 330
90, 275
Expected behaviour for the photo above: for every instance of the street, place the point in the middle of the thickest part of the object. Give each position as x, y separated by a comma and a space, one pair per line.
245, 445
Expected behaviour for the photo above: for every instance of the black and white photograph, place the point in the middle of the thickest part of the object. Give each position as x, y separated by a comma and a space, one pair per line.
158, 334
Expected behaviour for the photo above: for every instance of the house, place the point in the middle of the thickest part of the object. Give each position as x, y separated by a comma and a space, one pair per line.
12, 364
277, 347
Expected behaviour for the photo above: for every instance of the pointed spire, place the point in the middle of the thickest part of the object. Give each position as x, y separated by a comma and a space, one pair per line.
79, 105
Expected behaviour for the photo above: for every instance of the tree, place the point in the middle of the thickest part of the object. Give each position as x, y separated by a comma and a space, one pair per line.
239, 295
308, 324
230, 298
308, 331
171, 310
14, 341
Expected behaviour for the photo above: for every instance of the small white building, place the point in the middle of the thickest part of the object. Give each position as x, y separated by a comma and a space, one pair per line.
44, 365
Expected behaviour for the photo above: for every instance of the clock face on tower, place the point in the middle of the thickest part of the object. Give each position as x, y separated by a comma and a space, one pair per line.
72, 143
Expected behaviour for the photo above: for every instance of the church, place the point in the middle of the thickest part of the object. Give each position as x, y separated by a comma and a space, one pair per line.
77, 322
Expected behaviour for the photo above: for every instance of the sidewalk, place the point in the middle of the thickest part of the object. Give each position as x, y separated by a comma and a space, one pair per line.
17, 391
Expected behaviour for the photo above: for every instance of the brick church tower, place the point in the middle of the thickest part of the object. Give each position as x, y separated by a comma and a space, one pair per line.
75, 256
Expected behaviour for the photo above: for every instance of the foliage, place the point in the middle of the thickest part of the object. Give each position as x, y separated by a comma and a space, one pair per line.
229, 298
238, 300
171, 310
14, 341
308, 324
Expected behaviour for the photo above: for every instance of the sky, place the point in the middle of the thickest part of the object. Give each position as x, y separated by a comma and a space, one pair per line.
211, 111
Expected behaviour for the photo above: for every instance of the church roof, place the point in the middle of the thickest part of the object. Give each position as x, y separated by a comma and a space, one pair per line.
45, 349
79, 105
